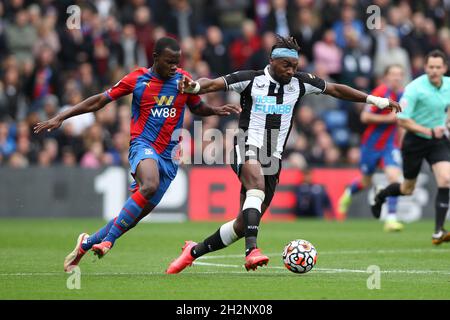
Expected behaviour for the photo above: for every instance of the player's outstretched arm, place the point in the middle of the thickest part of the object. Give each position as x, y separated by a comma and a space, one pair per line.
345, 92
90, 104
411, 125
202, 85
373, 118
205, 110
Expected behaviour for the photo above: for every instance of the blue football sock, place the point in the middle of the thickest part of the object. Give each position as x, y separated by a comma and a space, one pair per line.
98, 236
127, 216
355, 187
392, 204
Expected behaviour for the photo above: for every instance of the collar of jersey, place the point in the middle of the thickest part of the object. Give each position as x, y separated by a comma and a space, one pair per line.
153, 73
431, 85
267, 73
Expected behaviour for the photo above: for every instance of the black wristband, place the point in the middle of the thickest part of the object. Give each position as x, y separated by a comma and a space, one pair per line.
433, 136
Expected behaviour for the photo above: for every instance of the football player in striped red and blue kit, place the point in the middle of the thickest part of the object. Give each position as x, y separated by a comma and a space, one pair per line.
157, 111
380, 145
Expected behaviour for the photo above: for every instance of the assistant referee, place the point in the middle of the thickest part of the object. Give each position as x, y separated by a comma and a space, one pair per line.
425, 104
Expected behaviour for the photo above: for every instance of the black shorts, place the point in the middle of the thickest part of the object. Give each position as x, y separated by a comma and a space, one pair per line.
415, 149
271, 167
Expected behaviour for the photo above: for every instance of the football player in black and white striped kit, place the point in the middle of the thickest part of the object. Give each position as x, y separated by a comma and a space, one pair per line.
269, 100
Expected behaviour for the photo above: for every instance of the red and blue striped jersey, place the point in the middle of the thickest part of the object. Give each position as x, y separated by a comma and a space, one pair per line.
157, 107
380, 136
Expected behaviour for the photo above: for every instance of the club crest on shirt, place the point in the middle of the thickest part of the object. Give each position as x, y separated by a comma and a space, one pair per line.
290, 88
260, 85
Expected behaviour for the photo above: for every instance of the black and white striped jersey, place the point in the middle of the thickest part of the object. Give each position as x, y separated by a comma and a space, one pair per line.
268, 106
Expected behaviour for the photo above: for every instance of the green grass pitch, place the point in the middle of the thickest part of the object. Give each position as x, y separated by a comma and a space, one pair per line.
32, 253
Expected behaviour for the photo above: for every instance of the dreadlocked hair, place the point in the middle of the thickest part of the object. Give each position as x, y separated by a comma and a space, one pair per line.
286, 42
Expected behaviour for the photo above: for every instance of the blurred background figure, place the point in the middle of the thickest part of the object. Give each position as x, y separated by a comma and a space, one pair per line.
313, 200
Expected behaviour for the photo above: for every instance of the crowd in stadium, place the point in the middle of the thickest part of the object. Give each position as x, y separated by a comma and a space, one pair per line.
46, 67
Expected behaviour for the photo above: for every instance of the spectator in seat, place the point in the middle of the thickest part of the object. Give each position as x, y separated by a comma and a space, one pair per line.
312, 198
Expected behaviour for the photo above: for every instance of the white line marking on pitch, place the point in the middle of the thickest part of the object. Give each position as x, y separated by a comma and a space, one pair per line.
393, 251
329, 270
200, 263
51, 274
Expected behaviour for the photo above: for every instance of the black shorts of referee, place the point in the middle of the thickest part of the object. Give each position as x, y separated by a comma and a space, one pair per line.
415, 149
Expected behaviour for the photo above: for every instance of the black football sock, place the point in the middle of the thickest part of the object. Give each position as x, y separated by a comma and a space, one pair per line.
212, 243
392, 190
441, 205
252, 217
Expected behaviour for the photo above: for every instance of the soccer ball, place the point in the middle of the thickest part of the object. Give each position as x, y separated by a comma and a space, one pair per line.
299, 256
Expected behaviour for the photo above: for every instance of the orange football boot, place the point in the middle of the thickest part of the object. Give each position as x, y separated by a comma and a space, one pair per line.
184, 260
102, 248
255, 259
